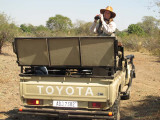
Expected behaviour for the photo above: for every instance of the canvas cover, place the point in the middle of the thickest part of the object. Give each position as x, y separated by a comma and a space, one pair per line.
65, 51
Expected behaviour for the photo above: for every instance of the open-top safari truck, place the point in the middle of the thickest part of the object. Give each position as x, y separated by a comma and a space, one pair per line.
73, 77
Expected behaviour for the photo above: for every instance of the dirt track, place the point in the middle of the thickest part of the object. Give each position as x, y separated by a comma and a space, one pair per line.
145, 95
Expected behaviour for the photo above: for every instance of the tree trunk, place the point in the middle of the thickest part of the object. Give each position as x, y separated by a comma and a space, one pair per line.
2, 39
1, 44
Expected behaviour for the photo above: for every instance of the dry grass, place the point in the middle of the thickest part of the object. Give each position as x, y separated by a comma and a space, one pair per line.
144, 44
8, 67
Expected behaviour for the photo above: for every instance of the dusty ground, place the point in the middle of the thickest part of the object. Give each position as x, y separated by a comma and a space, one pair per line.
145, 95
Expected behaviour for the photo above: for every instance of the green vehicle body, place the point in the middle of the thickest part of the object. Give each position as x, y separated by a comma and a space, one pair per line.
90, 72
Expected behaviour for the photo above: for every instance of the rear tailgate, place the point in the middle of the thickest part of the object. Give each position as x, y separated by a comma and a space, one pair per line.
65, 88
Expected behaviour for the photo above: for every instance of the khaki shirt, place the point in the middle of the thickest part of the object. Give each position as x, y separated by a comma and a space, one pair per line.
107, 29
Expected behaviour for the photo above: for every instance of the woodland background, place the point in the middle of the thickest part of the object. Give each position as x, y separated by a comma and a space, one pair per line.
143, 36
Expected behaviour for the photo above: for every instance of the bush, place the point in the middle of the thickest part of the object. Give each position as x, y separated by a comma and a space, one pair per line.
7, 30
141, 43
59, 23
82, 28
135, 29
131, 42
122, 34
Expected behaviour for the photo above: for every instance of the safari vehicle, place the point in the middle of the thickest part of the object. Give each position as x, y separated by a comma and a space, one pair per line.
73, 77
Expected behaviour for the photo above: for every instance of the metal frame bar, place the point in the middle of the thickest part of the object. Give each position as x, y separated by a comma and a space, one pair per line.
74, 76
80, 51
48, 49
15, 45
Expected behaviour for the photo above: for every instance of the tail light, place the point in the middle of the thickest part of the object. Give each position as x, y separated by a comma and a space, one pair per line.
110, 114
20, 109
33, 102
96, 105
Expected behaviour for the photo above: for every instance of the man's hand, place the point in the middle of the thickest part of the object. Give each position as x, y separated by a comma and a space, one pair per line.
96, 17
101, 17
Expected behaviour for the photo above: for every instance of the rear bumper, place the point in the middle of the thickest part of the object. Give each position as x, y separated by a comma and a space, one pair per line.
66, 114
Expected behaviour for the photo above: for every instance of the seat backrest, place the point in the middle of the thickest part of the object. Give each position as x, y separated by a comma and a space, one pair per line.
97, 51
66, 51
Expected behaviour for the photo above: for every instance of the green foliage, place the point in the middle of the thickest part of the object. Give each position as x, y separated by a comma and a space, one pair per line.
36, 31
150, 25
135, 29
25, 28
42, 31
143, 36
59, 23
122, 34
81, 28
41, 28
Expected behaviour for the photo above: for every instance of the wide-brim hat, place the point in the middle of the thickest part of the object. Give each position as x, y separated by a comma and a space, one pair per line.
109, 8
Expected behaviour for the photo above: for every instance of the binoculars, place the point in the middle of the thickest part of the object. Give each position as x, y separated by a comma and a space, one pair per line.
97, 17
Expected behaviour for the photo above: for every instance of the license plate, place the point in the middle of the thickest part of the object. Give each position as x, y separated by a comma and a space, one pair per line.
65, 104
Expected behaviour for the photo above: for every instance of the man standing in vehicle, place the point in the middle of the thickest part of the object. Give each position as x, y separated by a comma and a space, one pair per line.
103, 24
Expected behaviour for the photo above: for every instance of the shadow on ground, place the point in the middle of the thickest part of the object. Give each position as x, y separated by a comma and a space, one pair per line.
148, 109
14, 115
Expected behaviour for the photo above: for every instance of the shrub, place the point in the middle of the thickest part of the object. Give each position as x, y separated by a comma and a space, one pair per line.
135, 29
7, 30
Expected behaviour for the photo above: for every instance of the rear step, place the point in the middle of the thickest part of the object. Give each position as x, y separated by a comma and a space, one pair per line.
66, 114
